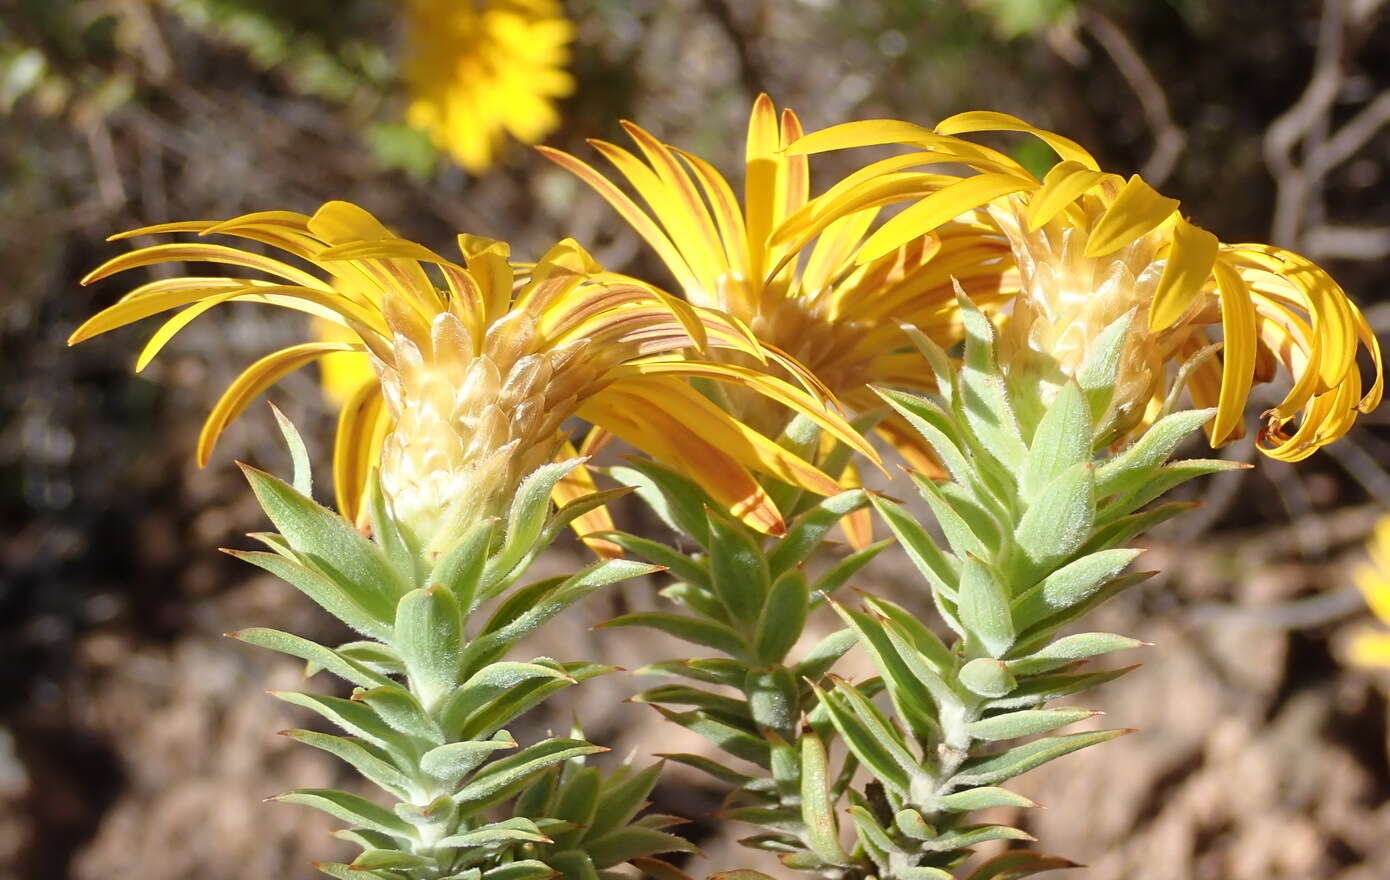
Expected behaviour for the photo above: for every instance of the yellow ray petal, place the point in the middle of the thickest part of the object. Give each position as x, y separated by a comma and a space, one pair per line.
1190, 258
937, 208
988, 120
362, 427
255, 379
1238, 352
1062, 186
1137, 209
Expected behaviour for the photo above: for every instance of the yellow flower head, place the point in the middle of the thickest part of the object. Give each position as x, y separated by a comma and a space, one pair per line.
481, 69
473, 377
1091, 247
1372, 647
803, 290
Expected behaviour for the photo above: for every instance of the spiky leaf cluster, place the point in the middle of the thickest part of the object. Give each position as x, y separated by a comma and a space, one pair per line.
433, 695
1033, 521
745, 597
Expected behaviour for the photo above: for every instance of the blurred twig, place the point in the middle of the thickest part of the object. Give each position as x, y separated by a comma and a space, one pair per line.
1299, 211
1169, 140
749, 69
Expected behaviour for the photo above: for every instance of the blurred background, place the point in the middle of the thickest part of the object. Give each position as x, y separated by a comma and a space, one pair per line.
135, 740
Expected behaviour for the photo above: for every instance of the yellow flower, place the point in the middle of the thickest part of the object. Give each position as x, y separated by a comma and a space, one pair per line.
480, 69
474, 378
812, 297
1091, 247
1372, 647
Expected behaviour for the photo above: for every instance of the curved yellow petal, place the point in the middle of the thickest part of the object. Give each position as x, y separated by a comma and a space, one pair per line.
255, 379
1190, 259
989, 120
1137, 209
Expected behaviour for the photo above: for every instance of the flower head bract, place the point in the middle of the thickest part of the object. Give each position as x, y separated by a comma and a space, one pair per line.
477, 365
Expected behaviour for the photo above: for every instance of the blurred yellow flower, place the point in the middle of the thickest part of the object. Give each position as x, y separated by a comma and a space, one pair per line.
812, 296
473, 378
1091, 247
1372, 647
481, 69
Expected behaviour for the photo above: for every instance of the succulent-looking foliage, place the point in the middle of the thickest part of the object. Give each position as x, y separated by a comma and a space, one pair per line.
433, 693
1034, 521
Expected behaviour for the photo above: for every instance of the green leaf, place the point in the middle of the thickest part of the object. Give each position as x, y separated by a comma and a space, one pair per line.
984, 607
676, 500
1070, 649
810, 528
959, 532
824, 653
700, 600
1059, 521
506, 628
353, 717
501, 779
1072, 584
689, 629
460, 567
982, 798
517, 830
937, 567
330, 542
817, 810
873, 836
1061, 442
1121, 530
525, 520
493, 680
346, 872
986, 677
870, 736
1102, 366
1039, 689
389, 536
328, 594
1015, 864
350, 808
913, 685
937, 426
523, 869
399, 708
738, 569
429, 637
451, 762
576, 802
520, 699
983, 399
772, 700
783, 618
1027, 722
573, 864
681, 695
303, 479
974, 835
363, 758
389, 858
1159, 481
632, 842
1021, 759
710, 670
1132, 467
708, 765
737, 741
312, 652
680, 565
621, 801
839, 574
